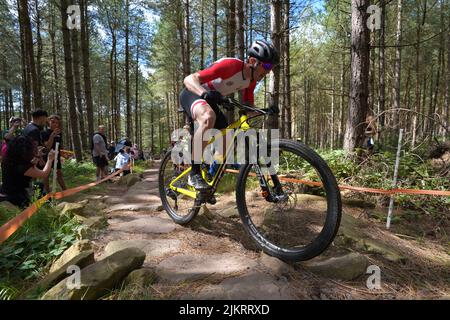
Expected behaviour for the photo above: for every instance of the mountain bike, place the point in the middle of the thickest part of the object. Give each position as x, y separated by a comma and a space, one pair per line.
291, 209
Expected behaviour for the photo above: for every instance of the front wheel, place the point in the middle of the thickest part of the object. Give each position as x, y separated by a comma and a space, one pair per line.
296, 220
181, 208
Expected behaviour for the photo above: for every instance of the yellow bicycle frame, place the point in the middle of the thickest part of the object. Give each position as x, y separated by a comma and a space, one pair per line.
241, 125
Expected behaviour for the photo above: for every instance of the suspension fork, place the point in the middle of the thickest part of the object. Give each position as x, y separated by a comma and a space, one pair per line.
275, 194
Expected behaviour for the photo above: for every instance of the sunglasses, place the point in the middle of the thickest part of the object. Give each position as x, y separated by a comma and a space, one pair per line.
267, 66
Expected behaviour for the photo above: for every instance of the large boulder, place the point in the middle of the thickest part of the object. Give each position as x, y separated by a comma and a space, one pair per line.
275, 265
129, 180
204, 219
73, 208
99, 278
154, 248
250, 286
351, 232
94, 208
81, 260
70, 253
191, 267
91, 225
347, 267
141, 278
375, 246
231, 212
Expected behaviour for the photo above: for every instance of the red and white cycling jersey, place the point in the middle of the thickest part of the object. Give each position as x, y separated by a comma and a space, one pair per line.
226, 76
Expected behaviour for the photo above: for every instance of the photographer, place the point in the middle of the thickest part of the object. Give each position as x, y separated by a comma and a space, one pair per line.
18, 168
50, 137
15, 124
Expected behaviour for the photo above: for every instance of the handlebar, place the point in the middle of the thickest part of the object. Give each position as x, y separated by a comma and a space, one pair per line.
230, 103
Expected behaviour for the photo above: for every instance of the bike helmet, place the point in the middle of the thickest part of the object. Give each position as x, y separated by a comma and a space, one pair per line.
264, 52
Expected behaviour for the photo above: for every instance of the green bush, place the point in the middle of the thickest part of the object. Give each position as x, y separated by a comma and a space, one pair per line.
43, 238
76, 174
377, 171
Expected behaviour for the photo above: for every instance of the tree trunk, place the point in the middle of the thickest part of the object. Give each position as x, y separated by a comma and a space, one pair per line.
214, 30
86, 67
447, 86
382, 65
187, 40
250, 27
307, 99
39, 50
25, 81
287, 71
360, 61
240, 41
37, 98
137, 125
333, 83
397, 67
202, 36
274, 84
152, 130
181, 34
231, 42
341, 102
69, 82
52, 32
127, 72
417, 91
77, 78
11, 102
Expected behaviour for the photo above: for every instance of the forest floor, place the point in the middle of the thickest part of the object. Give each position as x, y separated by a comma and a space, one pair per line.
214, 258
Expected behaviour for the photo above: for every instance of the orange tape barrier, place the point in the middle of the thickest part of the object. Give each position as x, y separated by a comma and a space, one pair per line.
362, 189
15, 223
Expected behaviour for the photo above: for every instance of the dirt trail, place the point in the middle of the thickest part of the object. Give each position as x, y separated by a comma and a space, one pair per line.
217, 260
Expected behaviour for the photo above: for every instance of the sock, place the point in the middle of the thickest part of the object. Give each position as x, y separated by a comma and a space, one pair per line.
195, 168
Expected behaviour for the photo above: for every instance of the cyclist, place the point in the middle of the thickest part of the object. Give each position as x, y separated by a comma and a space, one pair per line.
206, 88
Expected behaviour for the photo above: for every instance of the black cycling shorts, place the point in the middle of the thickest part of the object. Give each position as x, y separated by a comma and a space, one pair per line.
189, 101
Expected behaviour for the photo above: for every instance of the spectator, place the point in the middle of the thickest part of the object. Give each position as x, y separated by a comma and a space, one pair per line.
130, 156
18, 169
35, 127
127, 142
135, 151
141, 155
50, 137
112, 150
34, 130
100, 153
15, 124
122, 159
370, 132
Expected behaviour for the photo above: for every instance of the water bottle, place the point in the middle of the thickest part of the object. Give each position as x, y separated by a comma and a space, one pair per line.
213, 169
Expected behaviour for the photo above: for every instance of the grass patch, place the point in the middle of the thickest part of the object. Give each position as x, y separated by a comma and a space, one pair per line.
76, 174
28, 253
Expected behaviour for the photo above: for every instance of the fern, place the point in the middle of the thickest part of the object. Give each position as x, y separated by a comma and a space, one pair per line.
7, 293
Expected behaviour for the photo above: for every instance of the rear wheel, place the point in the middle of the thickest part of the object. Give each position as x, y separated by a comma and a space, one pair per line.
181, 208
303, 220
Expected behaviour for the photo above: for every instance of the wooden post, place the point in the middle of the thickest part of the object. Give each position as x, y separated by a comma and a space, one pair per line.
55, 165
394, 182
